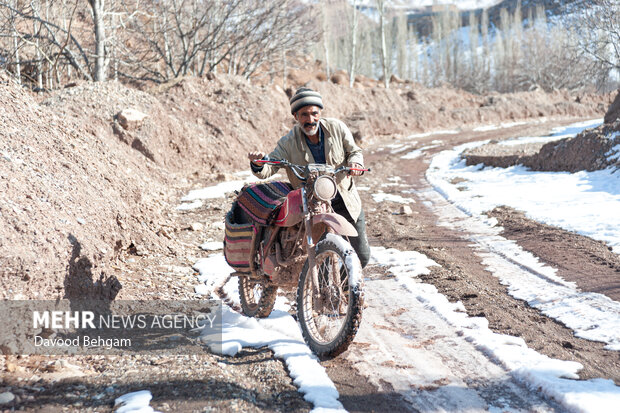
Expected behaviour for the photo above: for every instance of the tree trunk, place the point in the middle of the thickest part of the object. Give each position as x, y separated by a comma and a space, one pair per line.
325, 44
99, 26
18, 70
353, 45
384, 62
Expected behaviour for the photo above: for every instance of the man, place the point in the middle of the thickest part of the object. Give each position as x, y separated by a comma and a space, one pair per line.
321, 140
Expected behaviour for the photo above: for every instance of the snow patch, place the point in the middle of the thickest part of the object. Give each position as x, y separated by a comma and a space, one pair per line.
556, 379
186, 206
136, 402
382, 197
212, 246
280, 332
583, 202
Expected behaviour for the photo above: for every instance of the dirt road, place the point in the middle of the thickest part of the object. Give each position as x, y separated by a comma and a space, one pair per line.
411, 359
404, 358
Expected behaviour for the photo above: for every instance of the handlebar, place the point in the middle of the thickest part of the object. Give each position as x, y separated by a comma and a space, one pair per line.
282, 162
294, 168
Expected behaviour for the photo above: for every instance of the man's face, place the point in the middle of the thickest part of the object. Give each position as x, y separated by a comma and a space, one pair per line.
308, 118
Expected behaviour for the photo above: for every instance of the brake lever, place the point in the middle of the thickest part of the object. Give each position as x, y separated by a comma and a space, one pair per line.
348, 169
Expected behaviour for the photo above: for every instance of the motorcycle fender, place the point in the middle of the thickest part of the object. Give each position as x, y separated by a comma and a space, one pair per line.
336, 222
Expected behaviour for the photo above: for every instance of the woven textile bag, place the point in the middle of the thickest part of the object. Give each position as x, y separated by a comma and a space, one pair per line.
237, 240
260, 201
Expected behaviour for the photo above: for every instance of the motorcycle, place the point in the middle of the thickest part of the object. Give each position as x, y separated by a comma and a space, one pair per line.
277, 237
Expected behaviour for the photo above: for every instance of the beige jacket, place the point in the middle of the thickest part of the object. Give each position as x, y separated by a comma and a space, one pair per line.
340, 149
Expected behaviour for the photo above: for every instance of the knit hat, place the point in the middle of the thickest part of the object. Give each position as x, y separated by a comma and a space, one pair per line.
305, 97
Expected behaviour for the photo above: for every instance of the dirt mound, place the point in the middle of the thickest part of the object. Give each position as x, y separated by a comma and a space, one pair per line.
225, 115
408, 107
189, 122
72, 200
80, 190
613, 113
590, 150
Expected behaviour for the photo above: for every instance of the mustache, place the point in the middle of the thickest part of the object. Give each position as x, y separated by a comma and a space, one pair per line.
310, 124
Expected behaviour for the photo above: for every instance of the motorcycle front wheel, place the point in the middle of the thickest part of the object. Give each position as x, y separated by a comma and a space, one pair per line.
329, 320
257, 300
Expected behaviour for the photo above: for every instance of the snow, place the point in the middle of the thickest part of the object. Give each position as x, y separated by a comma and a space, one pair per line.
213, 271
218, 191
442, 358
382, 197
418, 152
553, 378
434, 132
186, 206
136, 402
584, 202
415, 4
279, 332
614, 152
212, 246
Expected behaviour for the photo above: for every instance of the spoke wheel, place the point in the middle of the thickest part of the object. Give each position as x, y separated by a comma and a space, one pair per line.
257, 300
330, 317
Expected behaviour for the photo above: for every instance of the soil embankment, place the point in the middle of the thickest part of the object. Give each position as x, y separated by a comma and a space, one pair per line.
88, 208
81, 193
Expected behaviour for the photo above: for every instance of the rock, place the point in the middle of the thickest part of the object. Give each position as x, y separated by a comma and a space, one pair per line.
197, 226
224, 177
405, 210
613, 113
6, 397
130, 118
395, 79
339, 79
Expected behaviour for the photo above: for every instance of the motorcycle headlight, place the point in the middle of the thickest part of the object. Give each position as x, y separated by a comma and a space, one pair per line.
325, 188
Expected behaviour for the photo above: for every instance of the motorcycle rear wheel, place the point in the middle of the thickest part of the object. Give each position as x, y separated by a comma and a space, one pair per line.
257, 300
329, 323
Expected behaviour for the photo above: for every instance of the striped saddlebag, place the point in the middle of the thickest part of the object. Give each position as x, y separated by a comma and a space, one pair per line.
260, 201
238, 239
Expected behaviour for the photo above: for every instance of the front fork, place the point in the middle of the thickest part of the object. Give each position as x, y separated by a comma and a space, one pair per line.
310, 246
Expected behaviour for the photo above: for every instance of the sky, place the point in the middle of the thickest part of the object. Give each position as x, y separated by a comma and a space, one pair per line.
583, 202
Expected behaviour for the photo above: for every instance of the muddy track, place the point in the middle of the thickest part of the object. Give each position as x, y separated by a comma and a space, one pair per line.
462, 276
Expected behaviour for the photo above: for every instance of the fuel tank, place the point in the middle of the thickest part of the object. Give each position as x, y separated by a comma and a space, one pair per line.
291, 210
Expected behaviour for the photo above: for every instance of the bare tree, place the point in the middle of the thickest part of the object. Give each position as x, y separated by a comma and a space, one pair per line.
402, 49
353, 44
181, 37
598, 34
384, 53
324, 34
274, 25
40, 45
97, 7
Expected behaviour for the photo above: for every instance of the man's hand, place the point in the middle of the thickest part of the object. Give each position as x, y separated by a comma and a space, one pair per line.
256, 155
355, 165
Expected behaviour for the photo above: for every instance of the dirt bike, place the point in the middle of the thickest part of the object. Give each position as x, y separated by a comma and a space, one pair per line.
277, 237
